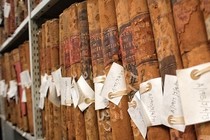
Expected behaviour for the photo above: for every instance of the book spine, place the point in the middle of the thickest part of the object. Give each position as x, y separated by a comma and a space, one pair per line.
62, 65
193, 47
91, 125
103, 115
111, 53
167, 47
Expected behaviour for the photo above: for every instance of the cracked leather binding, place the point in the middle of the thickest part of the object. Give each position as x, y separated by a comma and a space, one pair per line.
25, 65
145, 56
194, 48
91, 125
103, 115
167, 48
111, 53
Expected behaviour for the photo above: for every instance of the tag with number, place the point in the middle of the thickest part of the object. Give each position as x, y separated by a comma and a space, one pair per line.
151, 96
87, 94
138, 115
194, 92
56, 78
114, 85
172, 113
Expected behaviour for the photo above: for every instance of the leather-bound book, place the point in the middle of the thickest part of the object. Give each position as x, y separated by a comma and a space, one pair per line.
75, 66
90, 116
111, 53
103, 115
23, 106
25, 65
62, 22
194, 47
167, 48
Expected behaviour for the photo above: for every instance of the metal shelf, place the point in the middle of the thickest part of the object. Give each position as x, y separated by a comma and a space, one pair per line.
22, 133
15, 36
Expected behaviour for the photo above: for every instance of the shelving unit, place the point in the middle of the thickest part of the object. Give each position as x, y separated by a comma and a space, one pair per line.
28, 29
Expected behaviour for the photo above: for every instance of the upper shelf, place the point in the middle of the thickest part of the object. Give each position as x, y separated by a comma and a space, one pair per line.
11, 41
51, 8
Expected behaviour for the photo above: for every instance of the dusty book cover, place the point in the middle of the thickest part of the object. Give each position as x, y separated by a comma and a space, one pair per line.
103, 115
119, 116
25, 64
167, 48
90, 116
193, 44
62, 19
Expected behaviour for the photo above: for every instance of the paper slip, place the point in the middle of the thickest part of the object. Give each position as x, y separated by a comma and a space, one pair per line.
151, 96
172, 104
45, 83
53, 96
41, 102
24, 99
87, 94
25, 79
12, 89
114, 85
7, 9
56, 78
66, 91
75, 93
195, 93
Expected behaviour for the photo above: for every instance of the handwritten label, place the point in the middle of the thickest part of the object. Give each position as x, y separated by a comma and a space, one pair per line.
86, 92
115, 82
138, 115
75, 93
172, 102
25, 79
53, 96
56, 78
7, 8
44, 85
195, 95
66, 91
153, 100
100, 102
12, 89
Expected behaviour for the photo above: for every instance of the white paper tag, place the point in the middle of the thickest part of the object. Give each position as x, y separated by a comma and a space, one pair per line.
75, 94
25, 79
2, 87
66, 91
172, 102
53, 96
86, 92
7, 9
41, 102
138, 115
5, 91
56, 78
195, 95
24, 99
12, 89
100, 102
115, 82
45, 83
152, 99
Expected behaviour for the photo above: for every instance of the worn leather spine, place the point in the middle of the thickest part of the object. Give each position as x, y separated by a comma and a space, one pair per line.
103, 115
145, 55
75, 67
167, 48
62, 65
23, 106
192, 40
91, 125
54, 52
111, 53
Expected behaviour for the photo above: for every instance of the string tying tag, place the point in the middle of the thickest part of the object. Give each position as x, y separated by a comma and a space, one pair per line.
148, 88
132, 104
172, 120
112, 95
195, 74
88, 100
99, 79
